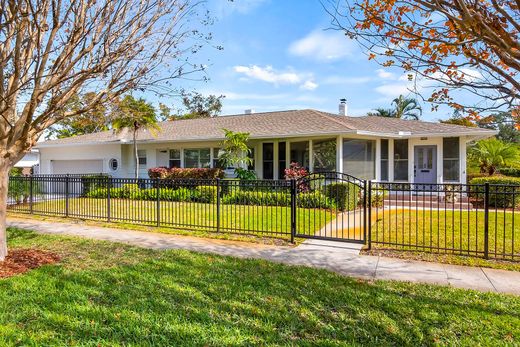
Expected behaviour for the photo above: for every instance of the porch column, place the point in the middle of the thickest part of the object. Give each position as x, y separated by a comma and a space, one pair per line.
311, 159
411, 160
378, 160
390, 160
339, 154
462, 160
275, 160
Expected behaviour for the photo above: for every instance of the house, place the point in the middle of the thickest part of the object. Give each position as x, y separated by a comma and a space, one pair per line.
30, 163
375, 148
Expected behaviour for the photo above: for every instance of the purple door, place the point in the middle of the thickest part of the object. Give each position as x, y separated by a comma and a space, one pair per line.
425, 164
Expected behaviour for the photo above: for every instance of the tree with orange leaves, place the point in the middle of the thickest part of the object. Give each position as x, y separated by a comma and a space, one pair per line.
471, 45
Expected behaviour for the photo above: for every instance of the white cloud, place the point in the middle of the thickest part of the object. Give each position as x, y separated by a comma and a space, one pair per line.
384, 74
393, 90
270, 75
323, 46
345, 80
309, 85
225, 7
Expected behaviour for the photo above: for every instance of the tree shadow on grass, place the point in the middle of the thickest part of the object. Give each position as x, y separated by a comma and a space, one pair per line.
183, 298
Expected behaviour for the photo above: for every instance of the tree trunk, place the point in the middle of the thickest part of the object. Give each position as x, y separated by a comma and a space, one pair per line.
136, 157
4, 179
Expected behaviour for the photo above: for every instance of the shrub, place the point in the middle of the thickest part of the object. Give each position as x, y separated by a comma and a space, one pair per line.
19, 189
344, 195
205, 194
241, 197
314, 200
91, 182
16, 172
378, 197
504, 191
185, 173
510, 171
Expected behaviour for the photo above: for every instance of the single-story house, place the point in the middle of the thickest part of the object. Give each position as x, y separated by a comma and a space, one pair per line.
30, 163
369, 147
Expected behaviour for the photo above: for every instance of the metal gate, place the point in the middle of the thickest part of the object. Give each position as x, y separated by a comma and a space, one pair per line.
331, 206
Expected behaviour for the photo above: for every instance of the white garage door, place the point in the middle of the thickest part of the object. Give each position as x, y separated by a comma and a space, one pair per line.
77, 166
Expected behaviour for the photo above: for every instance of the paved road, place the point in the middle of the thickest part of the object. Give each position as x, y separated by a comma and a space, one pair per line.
334, 256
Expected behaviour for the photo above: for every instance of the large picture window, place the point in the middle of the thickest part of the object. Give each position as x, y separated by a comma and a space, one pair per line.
401, 160
451, 158
197, 158
359, 158
384, 160
324, 155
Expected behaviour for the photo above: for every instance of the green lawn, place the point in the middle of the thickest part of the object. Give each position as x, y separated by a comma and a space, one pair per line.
237, 218
107, 294
458, 231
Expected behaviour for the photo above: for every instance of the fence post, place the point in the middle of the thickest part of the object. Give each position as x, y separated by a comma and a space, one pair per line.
109, 188
31, 193
486, 220
369, 216
218, 204
158, 201
293, 209
365, 195
67, 195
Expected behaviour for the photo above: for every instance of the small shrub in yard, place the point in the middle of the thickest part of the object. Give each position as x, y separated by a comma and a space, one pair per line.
510, 171
314, 200
185, 173
344, 195
205, 194
378, 197
92, 182
504, 191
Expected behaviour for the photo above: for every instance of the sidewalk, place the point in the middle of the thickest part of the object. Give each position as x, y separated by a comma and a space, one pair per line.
339, 257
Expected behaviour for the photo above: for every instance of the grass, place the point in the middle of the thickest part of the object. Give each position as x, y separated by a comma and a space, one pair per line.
461, 232
111, 294
275, 220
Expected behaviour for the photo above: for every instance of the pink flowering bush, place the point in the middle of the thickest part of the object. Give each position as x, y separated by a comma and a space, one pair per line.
295, 171
185, 173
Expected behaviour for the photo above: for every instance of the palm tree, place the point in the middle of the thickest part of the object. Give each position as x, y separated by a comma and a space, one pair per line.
382, 112
406, 108
134, 114
492, 154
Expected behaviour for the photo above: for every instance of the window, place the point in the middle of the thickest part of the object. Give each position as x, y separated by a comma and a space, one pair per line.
175, 158
401, 160
451, 158
282, 161
359, 158
384, 160
197, 158
324, 155
251, 155
113, 164
141, 157
268, 160
216, 161
300, 153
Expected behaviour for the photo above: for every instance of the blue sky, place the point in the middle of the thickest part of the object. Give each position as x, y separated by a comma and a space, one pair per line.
279, 55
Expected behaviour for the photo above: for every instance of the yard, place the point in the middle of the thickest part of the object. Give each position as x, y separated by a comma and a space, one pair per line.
458, 232
191, 215
112, 294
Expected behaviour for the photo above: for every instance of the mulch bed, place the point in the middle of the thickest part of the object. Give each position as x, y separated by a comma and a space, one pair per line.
19, 261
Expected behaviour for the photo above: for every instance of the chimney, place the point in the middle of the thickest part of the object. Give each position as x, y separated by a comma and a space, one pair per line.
342, 107
249, 111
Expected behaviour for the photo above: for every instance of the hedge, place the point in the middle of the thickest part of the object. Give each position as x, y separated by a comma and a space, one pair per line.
344, 195
504, 191
510, 171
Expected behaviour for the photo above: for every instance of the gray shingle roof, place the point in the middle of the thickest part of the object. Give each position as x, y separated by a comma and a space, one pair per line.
275, 124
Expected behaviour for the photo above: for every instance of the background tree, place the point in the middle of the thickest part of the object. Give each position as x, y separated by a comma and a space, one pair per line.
459, 44
52, 50
493, 154
403, 107
135, 115
93, 120
406, 108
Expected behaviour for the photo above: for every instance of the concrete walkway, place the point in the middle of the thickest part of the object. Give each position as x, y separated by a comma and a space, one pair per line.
339, 257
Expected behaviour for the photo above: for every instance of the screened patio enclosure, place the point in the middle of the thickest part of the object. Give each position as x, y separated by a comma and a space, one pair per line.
418, 160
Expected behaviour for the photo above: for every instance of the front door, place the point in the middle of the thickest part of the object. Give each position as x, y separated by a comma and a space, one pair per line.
425, 164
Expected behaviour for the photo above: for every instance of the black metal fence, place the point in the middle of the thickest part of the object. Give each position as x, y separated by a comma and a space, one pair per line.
460, 219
